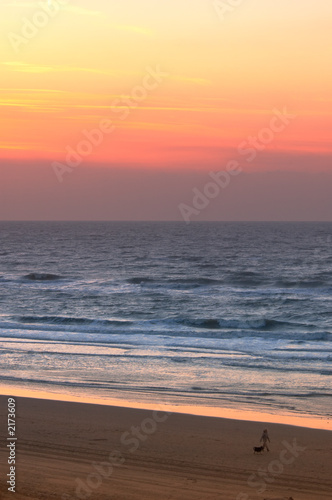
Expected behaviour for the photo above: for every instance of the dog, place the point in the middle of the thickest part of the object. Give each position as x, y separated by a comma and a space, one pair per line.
258, 449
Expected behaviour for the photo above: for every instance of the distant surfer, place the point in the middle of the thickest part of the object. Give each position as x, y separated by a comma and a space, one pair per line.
265, 438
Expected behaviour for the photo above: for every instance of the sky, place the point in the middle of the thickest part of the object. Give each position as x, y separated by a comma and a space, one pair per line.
121, 110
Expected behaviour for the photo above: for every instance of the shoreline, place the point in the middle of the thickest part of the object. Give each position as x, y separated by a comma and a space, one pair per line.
297, 420
81, 451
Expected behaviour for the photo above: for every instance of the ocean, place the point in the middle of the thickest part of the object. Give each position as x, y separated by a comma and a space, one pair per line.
214, 314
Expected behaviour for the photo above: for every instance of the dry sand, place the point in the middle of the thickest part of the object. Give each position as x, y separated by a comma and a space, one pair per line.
78, 450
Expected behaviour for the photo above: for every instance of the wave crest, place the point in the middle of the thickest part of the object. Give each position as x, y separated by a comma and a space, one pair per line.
41, 277
65, 320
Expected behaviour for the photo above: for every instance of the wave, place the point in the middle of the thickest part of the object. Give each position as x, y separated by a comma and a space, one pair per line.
280, 367
140, 280
212, 328
98, 332
195, 281
192, 282
319, 336
246, 278
5, 280
203, 323
178, 360
302, 283
246, 324
41, 277
65, 320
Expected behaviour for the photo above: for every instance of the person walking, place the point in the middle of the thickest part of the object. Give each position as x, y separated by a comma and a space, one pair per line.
265, 438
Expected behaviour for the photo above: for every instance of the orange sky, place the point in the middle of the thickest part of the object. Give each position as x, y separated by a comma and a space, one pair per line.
224, 78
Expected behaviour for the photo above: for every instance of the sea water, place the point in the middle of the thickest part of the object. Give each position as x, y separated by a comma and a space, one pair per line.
234, 315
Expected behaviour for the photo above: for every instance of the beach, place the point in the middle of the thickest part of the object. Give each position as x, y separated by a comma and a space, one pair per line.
165, 250
77, 450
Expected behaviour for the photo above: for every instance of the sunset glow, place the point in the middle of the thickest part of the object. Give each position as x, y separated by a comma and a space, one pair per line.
224, 78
